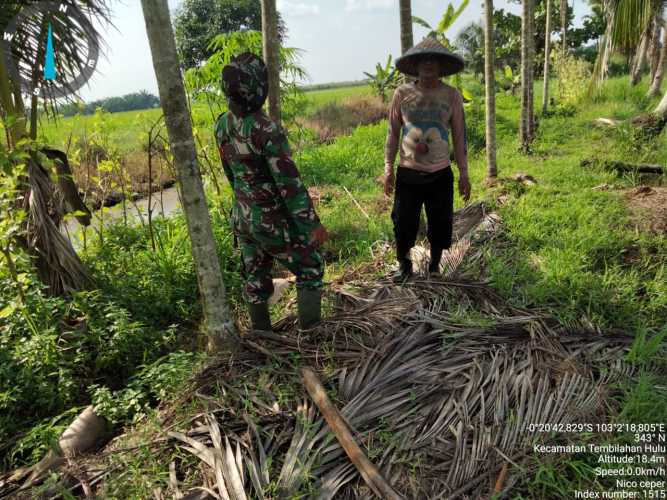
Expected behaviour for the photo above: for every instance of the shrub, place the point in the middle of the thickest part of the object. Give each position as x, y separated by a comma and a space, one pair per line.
475, 126
572, 76
51, 349
154, 382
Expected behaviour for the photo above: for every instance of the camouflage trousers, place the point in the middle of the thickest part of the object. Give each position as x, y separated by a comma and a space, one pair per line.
302, 260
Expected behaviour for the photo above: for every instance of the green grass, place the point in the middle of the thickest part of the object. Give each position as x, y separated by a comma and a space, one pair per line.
127, 130
123, 129
319, 97
567, 241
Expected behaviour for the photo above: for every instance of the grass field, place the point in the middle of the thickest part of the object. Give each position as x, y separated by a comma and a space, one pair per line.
125, 130
318, 97
568, 248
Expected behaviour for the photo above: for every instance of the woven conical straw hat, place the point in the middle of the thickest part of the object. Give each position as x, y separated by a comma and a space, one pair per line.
450, 63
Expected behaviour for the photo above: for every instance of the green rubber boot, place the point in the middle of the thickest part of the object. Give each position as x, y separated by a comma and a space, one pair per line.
259, 316
309, 303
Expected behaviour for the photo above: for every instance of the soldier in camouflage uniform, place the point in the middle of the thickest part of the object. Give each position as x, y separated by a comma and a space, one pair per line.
273, 216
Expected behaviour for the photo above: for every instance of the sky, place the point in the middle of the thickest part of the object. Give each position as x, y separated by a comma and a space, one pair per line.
340, 39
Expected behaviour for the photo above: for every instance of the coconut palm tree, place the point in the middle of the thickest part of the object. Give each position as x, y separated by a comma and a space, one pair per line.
661, 67
563, 24
405, 10
271, 46
219, 326
640, 57
490, 87
653, 55
527, 56
547, 53
56, 262
627, 20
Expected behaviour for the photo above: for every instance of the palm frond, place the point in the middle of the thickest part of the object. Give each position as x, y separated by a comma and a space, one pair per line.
421, 22
629, 20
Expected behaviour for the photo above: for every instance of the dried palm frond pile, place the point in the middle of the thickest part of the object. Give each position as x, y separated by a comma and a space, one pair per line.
439, 406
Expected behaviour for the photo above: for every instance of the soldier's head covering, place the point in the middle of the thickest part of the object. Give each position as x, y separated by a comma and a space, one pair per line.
450, 63
245, 83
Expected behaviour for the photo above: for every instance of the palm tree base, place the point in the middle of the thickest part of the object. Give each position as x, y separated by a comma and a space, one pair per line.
57, 263
648, 126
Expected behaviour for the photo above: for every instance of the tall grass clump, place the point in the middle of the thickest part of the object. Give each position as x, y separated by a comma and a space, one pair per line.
356, 160
619, 90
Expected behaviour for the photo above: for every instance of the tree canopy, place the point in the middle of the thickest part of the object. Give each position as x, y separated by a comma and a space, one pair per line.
507, 42
198, 22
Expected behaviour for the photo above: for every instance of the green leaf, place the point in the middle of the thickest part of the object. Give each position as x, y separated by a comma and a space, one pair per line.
629, 20
509, 74
447, 19
6, 311
461, 8
387, 67
466, 94
421, 22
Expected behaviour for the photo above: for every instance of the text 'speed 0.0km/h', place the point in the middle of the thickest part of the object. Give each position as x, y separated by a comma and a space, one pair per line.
50, 49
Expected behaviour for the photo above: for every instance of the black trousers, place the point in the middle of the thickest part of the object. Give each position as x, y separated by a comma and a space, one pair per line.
434, 191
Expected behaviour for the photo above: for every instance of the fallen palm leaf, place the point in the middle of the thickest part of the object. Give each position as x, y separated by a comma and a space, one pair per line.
365, 467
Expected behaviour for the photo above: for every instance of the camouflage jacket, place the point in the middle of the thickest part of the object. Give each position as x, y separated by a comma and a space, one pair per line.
267, 188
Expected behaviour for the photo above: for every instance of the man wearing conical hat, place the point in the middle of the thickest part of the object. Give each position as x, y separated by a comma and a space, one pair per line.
426, 123
273, 215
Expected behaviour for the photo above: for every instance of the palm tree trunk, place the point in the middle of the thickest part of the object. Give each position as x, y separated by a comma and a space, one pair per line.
10, 103
563, 23
661, 109
662, 67
219, 326
605, 47
526, 74
547, 51
271, 45
405, 10
531, 72
654, 46
490, 87
639, 59
57, 263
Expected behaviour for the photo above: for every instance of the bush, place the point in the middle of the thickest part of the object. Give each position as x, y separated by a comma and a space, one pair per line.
52, 349
154, 382
572, 76
475, 126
